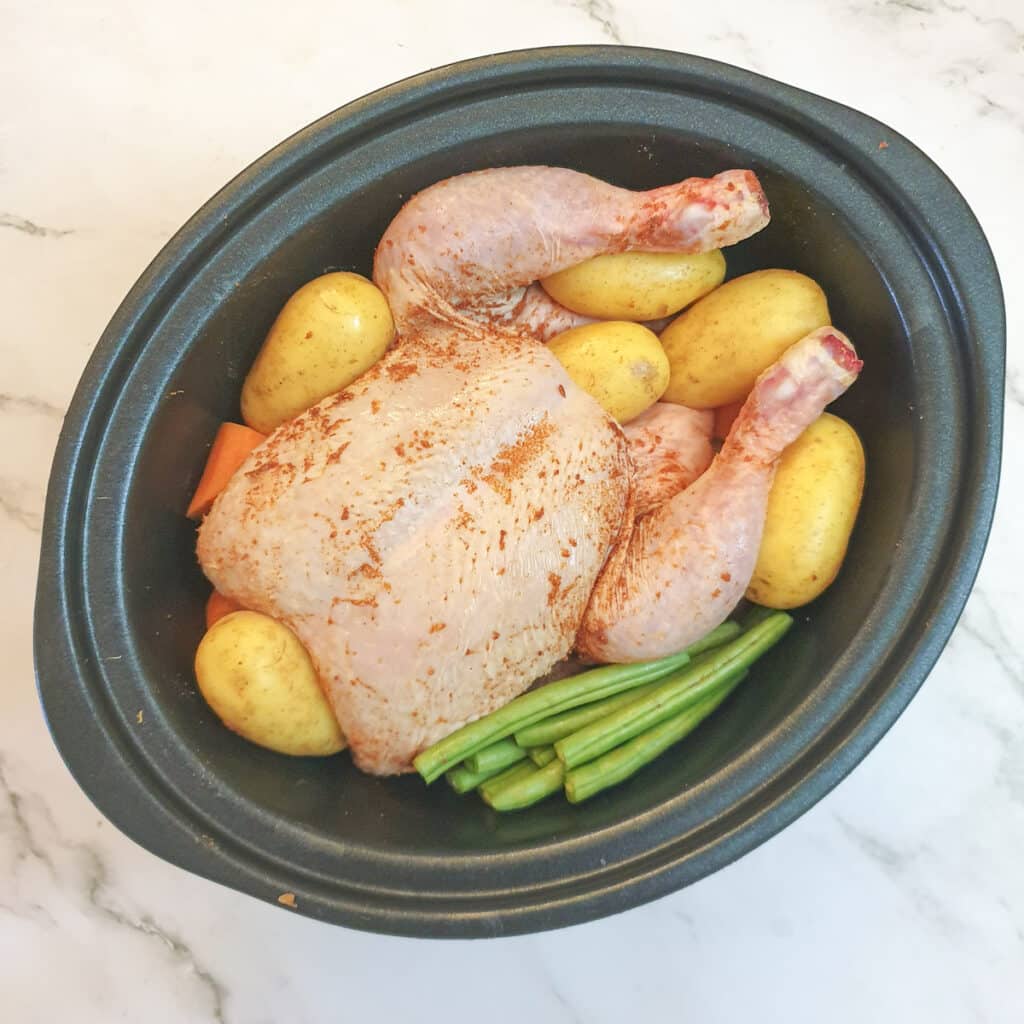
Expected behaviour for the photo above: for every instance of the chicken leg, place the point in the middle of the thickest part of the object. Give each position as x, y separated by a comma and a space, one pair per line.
688, 563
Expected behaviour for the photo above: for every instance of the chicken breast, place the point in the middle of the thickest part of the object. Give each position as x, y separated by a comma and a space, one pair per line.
432, 537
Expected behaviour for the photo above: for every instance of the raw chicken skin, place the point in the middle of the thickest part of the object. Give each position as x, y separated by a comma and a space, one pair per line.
434, 547
669, 447
688, 563
433, 533
467, 250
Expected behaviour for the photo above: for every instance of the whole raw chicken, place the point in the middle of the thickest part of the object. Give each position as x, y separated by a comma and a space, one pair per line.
440, 532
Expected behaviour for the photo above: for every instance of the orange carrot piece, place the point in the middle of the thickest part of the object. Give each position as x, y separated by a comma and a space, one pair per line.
725, 415
230, 447
217, 606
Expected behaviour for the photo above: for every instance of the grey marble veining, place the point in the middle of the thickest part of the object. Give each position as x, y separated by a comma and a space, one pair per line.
603, 14
8, 220
899, 896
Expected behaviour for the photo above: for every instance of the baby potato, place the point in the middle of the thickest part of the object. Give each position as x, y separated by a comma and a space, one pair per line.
329, 332
620, 364
636, 285
811, 511
257, 677
720, 344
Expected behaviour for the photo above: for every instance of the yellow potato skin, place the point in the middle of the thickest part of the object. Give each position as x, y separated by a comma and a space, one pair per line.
636, 285
257, 677
622, 365
720, 344
811, 511
331, 331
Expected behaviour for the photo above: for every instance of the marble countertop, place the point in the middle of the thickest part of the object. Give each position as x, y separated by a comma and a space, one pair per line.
899, 896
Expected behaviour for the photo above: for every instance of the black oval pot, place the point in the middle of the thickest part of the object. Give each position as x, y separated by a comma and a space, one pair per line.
119, 608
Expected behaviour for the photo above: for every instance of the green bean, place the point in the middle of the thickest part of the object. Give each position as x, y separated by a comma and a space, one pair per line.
526, 789
462, 780
592, 685
521, 770
553, 728
755, 614
715, 638
622, 762
497, 755
683, 688
536, 704
541, 756
550, 730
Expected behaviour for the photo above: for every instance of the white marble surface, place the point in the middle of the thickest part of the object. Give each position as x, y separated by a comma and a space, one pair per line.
900, 896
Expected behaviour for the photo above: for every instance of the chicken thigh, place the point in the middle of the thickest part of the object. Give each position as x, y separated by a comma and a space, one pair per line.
669, 447
687, 564
433, 532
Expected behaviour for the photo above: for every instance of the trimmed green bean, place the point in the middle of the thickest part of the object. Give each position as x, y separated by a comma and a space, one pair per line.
549, 730
521, 770
537, 704
622, 762
497, 755
462, 780
683, 688
527, 789
541, 756
754, 615
718, 636
592, 685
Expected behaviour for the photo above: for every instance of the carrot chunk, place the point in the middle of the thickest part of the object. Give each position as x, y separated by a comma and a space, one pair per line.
230, 447
218, 605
